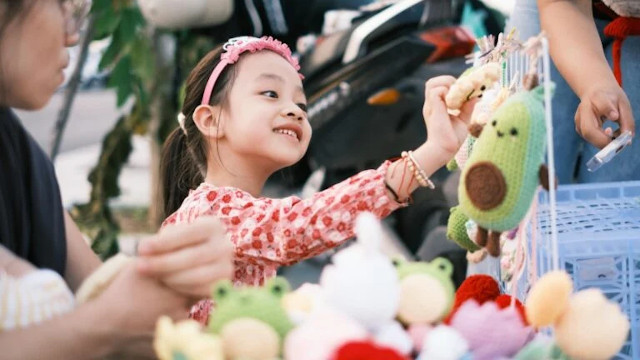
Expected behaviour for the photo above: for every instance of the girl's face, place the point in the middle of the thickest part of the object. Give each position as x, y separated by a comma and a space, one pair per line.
33, 54
265, 121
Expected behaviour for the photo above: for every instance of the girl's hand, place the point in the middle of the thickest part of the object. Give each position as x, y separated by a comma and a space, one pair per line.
445, 132
188, 258
603, 102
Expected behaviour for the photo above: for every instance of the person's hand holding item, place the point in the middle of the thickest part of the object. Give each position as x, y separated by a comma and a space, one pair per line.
130, 307
600, 102
188, 258
445, 132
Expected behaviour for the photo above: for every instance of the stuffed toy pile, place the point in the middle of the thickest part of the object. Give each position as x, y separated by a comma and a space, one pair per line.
368, 306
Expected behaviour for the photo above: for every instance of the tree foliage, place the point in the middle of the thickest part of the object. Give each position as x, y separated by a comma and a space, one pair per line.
149, 87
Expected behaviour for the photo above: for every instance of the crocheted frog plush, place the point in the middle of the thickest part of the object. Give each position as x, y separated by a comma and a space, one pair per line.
500, 178
251, 320
426, 290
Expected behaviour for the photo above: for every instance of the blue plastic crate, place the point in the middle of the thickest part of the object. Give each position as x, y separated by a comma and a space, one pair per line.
598, 231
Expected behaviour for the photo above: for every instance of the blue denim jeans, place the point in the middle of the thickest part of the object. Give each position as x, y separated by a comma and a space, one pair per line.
571, 151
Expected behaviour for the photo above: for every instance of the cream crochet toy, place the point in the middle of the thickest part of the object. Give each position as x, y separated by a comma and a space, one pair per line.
471, 84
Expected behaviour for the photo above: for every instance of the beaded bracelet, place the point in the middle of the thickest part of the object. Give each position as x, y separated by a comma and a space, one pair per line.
419, 174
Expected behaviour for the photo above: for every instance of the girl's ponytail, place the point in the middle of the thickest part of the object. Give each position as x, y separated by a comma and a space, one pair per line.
179, 171
183, 164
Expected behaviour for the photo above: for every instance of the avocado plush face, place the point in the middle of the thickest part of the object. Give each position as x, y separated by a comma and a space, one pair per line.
498, 183
260, 303
426, 290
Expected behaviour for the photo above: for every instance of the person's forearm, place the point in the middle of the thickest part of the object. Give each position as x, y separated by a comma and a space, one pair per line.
574, 43
81, 260
76, 335
429, 157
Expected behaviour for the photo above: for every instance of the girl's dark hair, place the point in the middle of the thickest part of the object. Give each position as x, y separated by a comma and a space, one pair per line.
183, 164
10, 11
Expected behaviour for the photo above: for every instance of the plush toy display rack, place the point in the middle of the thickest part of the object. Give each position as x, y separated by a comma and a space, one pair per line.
592, 231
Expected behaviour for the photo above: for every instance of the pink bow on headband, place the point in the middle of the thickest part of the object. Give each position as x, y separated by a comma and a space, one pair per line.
235, 47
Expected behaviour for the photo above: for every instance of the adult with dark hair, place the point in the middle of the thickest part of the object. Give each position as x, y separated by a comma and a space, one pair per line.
36, 233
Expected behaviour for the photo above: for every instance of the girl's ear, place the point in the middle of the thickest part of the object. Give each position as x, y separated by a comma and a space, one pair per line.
207, 119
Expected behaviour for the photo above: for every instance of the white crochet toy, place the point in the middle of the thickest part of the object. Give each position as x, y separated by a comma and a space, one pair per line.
363, 284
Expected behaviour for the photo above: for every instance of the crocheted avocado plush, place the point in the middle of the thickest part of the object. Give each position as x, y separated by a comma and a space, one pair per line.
499, 181
251, 315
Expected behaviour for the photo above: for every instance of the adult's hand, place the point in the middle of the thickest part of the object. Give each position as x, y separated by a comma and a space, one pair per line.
131, 306
598, 103
188, 258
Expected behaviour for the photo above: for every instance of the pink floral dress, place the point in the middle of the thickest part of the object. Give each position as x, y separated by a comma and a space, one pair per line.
268, 233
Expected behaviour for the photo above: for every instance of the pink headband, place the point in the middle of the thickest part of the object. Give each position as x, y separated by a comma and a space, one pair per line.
234, 47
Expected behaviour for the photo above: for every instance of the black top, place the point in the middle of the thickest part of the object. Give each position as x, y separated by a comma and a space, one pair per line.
31, 213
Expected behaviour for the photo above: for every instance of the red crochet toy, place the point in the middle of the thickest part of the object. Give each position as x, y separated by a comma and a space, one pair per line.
366, 350
483, 288
479, 287
504, 301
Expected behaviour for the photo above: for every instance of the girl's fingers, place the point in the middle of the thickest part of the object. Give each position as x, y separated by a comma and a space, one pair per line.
197, 281
437, 81
467, 110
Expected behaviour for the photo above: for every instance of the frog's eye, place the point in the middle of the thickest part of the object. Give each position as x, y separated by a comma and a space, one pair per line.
494, 123
277, 289
513, 132
396, 262
444, 265
278, 286
222, 290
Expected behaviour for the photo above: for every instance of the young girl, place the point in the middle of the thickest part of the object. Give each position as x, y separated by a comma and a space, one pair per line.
244, 117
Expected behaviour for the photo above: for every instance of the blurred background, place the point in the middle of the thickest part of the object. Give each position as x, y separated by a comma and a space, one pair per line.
365, 63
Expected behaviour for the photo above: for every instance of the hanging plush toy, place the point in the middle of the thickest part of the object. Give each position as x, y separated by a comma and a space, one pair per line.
457, 230
471, 84
499, 181
251, 320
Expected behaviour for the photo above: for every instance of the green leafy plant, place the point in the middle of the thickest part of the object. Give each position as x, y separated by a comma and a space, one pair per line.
147, 79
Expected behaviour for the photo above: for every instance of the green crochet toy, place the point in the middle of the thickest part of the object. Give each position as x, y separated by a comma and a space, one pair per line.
457, 230
499, 181
426, 290
251, 320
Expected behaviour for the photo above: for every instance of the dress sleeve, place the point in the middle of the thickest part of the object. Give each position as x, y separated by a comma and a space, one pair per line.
285, 231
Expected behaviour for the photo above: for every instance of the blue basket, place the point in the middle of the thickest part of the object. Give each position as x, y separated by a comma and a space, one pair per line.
598, 229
